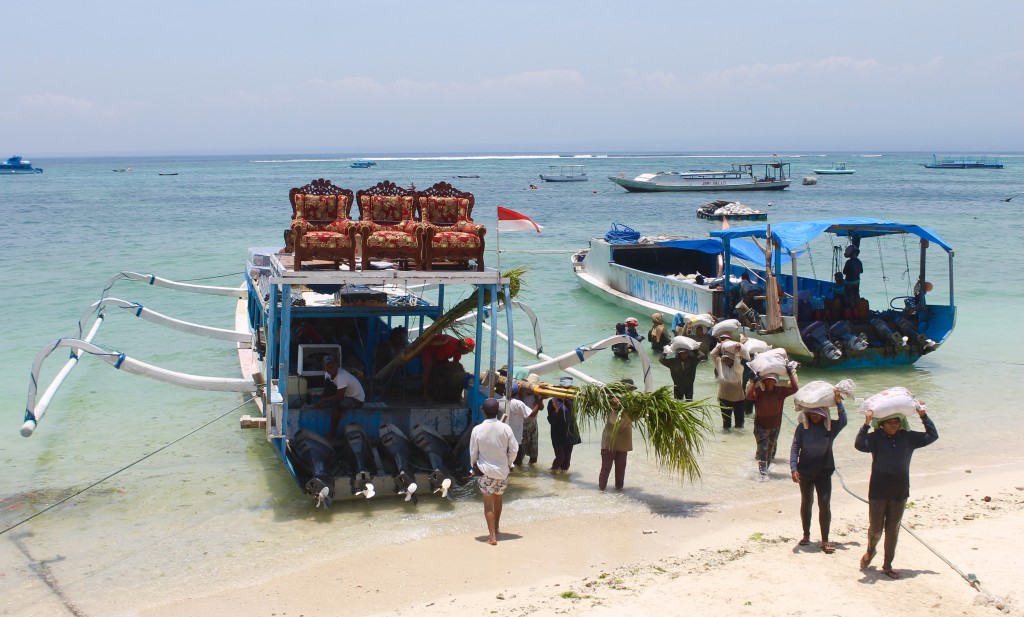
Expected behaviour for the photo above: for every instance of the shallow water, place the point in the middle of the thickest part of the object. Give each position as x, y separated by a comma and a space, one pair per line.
218, 505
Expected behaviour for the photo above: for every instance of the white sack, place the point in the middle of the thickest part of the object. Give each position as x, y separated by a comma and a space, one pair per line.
771, 362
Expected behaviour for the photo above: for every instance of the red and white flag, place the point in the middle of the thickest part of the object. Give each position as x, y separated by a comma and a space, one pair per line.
510, 220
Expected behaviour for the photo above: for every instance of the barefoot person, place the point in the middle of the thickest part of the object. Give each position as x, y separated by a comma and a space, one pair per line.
769, 397
492, 450
811, 465
891, 446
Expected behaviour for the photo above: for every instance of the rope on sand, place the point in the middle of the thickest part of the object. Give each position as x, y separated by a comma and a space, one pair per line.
129, 465
971, 579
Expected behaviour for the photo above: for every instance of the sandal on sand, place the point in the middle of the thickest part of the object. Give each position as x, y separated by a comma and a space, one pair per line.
890, 573
828, 548
804, 541
866, 560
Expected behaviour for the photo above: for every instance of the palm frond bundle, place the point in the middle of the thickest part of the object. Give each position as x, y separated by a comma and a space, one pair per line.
676, 430
451, 316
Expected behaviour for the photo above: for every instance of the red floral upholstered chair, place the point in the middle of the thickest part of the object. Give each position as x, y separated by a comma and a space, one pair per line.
321, 226
387, 222
451, 234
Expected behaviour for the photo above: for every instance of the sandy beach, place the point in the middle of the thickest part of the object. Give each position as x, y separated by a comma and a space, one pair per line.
741, 561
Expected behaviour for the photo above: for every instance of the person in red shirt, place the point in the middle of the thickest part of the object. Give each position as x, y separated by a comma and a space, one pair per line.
769, 398
442, 348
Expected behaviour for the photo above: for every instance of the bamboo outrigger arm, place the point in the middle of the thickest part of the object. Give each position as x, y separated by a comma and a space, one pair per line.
164, 320
34, 411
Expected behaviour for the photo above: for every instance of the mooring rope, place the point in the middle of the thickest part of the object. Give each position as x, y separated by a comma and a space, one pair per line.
128, 466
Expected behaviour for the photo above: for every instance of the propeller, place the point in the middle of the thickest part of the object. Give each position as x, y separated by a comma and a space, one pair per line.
367, 491
323, 498
410, 492
445, 485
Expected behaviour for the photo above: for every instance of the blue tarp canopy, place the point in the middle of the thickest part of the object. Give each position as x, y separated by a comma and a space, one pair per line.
790, 236
741, 249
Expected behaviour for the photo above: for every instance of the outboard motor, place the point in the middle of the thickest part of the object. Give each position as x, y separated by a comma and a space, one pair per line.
908, 327
886, 334
816, 337
315, 456
843, 331
362, 454
437, 451
748, 316
397, 446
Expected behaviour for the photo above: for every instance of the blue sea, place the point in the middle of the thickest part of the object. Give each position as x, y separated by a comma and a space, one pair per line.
169, 497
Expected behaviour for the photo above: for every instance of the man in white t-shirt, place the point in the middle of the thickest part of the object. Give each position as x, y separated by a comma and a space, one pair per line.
492, 450
341, 391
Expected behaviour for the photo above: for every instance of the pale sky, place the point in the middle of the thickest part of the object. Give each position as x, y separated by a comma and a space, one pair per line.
249, 76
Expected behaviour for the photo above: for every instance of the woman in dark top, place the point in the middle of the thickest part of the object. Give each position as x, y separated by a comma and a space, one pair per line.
891, 447
811, 465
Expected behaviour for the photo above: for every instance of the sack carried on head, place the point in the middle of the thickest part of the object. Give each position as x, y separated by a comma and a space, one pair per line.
886, 404
735, 349
681, 343
772, 362
753, 346
729, 326
822, 394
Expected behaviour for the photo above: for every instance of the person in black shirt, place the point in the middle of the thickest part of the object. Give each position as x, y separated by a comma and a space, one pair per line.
891, 446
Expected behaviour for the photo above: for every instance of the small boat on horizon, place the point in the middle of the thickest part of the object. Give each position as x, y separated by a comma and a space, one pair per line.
565, 173
169, 173
363, 164
16, 165
773, 175
964, 162
838, 168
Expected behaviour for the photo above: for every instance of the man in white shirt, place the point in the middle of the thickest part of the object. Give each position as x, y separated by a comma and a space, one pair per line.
492, 453
341, 391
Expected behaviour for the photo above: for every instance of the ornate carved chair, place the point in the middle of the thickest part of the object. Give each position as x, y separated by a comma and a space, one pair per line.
387, 222
450, 233
321, 227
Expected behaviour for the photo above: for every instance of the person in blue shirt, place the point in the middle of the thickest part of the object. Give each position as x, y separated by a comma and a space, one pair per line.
891, 446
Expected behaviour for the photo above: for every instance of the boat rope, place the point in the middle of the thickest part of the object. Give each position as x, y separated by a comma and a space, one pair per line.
906, 259
881, 262
128, 466
621, 234
971, 579
810, 257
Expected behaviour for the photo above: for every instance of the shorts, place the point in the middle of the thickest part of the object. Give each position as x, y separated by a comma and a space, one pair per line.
492, 486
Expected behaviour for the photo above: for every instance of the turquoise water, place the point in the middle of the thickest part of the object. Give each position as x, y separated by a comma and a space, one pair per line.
218, 502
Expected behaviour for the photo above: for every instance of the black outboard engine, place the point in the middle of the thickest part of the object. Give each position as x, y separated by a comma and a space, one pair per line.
816, 337
886, 334
363, 460
315, 456
843, 331
437, 451
909, 328
397, 446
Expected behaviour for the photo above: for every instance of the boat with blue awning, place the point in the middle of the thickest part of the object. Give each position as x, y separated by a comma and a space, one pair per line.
812, 317
964, 162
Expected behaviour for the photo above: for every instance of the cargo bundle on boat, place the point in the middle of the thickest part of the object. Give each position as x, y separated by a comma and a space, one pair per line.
722, 209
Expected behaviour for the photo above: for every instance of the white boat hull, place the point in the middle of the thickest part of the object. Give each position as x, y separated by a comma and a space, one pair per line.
668, 183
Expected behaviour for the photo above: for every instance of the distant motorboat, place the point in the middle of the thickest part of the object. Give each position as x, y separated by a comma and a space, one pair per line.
15, 165
837, 168
773, 175
363, 164
170, 173
964, 162
126, 169
565, 173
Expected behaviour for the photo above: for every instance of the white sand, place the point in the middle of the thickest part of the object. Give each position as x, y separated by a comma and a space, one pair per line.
734, 562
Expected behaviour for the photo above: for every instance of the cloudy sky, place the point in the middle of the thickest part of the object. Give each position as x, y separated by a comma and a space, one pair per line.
211, 77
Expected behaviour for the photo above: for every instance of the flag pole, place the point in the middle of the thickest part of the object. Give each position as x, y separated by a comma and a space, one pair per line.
497, 237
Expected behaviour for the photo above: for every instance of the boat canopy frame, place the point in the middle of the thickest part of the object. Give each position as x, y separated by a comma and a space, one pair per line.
787, 237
